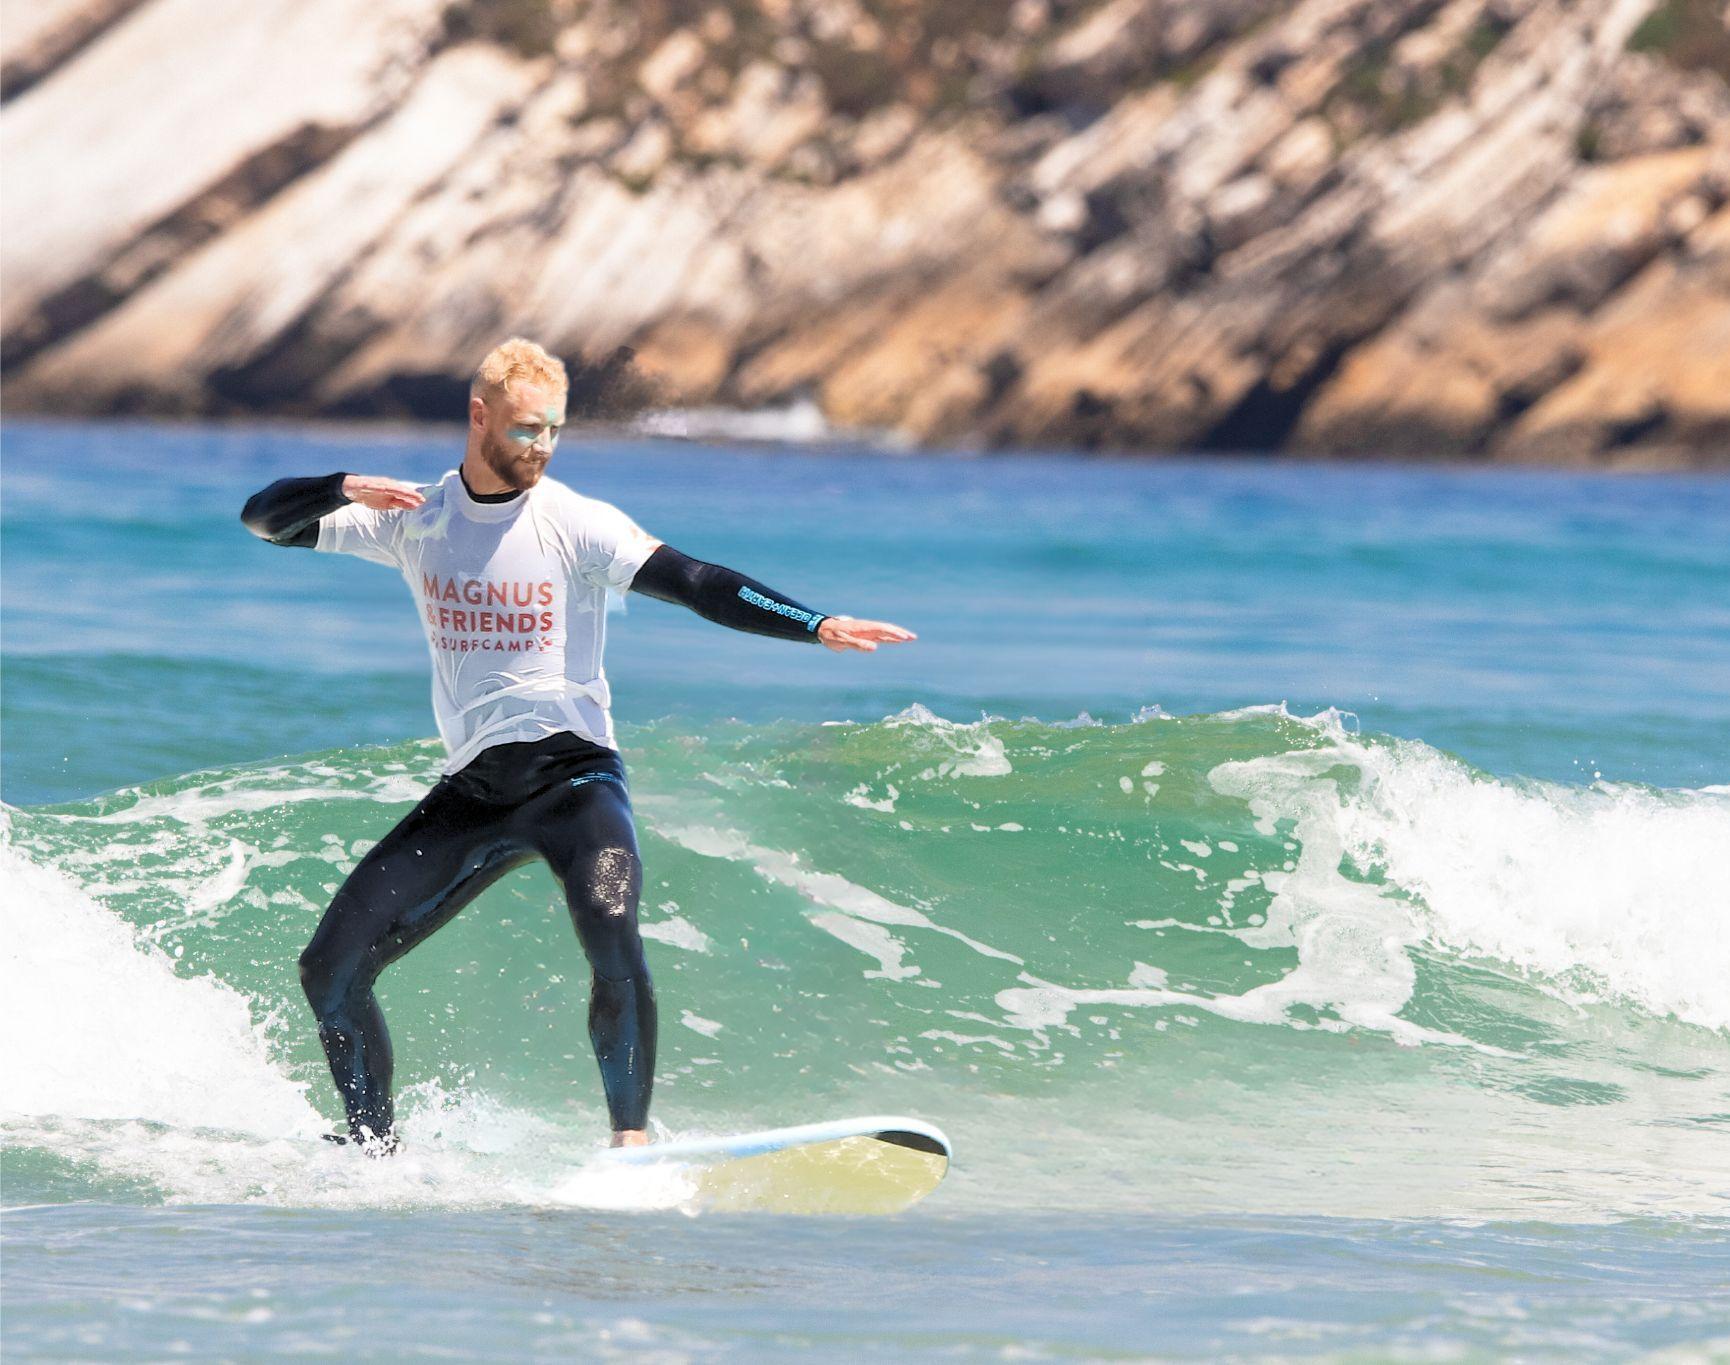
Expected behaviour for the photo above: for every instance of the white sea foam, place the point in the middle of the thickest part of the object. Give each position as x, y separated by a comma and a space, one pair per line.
222, 887
1607, 890
676, 932
855, 914
247, 792
871, 939
1616, 889
603, 1185
187, 856
801, 420
146, 1044
697, 1024
168, 1080
962, 748
860, 796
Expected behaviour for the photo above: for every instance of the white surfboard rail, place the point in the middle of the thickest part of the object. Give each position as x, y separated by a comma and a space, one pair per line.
875, 1164
899, 1131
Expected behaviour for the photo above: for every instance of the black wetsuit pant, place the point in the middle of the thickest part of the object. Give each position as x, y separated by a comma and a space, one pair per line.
562, 799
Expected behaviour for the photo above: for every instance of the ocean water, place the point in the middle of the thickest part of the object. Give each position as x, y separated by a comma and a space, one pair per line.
1301, 892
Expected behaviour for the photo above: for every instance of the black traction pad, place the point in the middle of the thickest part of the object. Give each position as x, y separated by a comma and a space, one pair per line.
916, 1141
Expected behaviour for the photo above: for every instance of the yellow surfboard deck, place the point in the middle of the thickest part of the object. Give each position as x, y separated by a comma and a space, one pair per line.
866, 1165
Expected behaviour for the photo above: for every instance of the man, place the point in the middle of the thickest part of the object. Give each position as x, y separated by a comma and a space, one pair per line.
510, 572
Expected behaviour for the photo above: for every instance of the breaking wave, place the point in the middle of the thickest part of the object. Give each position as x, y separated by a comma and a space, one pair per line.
1185, 954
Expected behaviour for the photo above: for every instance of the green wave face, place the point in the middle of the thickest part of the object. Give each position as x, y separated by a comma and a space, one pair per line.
1247, 961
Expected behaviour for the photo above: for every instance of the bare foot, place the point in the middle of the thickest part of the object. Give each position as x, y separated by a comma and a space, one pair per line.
630, 1137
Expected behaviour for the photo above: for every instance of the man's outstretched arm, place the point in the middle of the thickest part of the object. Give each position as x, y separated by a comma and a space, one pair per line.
728, 598
288, 511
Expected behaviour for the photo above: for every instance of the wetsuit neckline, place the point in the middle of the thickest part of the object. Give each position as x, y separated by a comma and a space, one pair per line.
487, 506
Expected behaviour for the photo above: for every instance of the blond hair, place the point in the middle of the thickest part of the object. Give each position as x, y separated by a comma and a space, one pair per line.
518, 360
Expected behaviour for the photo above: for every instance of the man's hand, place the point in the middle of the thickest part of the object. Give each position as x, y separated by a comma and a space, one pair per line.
842, 633
382, 495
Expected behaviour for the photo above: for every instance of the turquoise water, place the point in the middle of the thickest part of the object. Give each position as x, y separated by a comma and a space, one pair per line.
1300, 892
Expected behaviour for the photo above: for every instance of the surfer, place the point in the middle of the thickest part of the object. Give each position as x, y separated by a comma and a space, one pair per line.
510, 571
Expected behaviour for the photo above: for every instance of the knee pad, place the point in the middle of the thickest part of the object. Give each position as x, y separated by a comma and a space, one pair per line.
603, 891
612, 883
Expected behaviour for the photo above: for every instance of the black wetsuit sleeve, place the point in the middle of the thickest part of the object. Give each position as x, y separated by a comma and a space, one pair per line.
287, 512
727, 598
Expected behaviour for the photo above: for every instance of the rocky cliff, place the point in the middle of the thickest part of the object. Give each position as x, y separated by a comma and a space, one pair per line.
1463, 228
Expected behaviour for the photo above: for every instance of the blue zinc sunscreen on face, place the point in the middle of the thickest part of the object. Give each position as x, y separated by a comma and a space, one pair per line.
529, 435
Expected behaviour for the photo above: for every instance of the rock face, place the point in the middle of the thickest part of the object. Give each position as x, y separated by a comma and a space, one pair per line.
1459, 228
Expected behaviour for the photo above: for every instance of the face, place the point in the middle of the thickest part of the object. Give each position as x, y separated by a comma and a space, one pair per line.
521, 431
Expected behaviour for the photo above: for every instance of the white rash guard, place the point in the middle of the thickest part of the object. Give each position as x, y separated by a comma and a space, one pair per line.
513, 596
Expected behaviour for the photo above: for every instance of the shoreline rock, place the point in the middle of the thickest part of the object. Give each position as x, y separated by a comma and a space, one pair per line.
1484, 230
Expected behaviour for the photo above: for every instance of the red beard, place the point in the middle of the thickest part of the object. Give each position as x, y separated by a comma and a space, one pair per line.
521, 472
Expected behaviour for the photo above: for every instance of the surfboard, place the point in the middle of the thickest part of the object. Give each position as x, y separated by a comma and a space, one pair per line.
877, 1164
